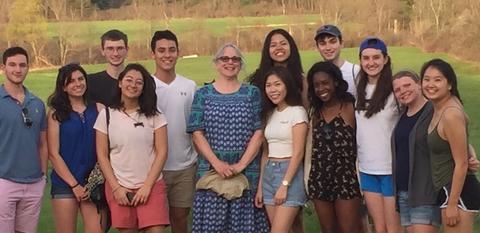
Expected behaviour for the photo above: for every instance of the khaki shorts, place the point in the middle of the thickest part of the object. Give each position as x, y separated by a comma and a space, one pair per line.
180, 186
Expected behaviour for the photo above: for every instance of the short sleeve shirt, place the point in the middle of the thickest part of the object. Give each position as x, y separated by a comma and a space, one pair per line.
132, 147
19, 145
102, 88
175, 101
278, 131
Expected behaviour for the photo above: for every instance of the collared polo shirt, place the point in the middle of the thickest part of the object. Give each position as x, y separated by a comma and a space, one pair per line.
19, 144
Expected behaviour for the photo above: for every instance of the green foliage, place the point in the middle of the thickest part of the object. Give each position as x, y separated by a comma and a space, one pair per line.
27, 22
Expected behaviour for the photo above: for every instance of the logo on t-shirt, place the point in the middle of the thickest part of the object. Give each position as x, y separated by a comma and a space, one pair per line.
184, 93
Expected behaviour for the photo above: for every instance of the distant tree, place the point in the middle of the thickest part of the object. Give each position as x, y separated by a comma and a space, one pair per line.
27, 24
57, 7
107, 4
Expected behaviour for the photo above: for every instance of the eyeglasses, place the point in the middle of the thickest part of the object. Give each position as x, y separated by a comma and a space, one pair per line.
26, 119
234, 59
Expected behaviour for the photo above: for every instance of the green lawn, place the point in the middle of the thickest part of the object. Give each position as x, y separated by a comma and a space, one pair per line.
90, 31
201, 70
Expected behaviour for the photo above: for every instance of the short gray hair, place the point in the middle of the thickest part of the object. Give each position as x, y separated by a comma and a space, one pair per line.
221, 51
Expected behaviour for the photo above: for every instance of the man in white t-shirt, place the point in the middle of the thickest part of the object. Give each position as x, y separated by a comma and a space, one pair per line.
328, 40
174, 99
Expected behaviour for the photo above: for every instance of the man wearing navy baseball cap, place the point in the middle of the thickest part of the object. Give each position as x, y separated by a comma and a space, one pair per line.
328, 40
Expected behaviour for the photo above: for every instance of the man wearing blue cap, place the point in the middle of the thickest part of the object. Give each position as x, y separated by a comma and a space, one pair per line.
328, 39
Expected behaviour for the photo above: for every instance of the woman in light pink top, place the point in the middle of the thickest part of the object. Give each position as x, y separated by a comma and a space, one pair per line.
132, 150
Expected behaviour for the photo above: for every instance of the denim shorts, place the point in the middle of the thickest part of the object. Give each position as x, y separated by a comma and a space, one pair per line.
58, 192
272, 179
423, 214
377, 184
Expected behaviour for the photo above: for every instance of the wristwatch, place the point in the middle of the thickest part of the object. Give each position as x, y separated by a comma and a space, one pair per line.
285, 183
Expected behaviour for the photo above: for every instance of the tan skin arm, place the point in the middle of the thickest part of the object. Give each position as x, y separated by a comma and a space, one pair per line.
61, 168
299, 134
160, 140
249, 153
43, 152
453, 128
263, 162
473, 163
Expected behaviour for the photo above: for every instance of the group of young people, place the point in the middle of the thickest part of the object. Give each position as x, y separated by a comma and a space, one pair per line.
260, 149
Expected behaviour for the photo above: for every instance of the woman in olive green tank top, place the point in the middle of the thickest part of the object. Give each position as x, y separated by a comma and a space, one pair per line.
448, 144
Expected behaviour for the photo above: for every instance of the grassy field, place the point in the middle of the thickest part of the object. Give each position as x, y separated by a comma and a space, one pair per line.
90, 31
201, 70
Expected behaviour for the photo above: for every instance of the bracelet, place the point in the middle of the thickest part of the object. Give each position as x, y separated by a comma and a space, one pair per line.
115, 189
74, 186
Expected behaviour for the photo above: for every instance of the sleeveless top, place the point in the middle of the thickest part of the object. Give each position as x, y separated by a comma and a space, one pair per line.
441, 159
333, 173
77, 145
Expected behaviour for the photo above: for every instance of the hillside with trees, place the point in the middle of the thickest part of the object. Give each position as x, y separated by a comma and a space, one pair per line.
59, 31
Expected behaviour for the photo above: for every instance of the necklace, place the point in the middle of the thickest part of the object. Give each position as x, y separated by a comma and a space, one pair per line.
136, 122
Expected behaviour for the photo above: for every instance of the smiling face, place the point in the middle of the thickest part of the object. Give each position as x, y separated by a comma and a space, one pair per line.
435, 85
76, 85
279, 48
324, 86
229, 64
115, 51
16, 69
165, 54
275, 89
131, 85
406, 90
372, 62
329, 47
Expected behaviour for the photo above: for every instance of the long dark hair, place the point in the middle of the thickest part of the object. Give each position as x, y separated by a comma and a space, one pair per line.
341, 86
148, 99
293, 96
294, 64
383, 89
447, 70
59, 100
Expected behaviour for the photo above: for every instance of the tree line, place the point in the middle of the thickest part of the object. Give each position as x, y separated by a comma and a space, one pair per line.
433, 25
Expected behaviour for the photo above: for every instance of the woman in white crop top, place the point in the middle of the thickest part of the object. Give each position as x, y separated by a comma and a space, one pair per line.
281, 186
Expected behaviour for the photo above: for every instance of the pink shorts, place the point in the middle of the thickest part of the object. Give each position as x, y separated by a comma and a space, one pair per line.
152, 213
20, 205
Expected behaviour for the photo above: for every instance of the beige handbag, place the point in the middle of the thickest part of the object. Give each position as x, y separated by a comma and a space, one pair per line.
230, 188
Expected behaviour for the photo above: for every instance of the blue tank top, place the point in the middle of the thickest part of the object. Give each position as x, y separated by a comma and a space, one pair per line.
77, 145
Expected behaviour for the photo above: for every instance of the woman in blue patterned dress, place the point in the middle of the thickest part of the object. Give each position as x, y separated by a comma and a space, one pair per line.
226, 130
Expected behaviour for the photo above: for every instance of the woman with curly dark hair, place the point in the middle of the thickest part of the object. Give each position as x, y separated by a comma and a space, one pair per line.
331, 153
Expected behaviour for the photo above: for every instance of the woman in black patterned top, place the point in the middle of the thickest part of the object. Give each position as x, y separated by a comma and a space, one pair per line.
331, 174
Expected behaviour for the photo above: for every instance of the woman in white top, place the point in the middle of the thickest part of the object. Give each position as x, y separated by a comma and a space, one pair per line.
281, 186
376, 115
132, 149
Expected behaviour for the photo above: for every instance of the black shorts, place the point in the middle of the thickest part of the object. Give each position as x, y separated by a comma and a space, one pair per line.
469, 198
